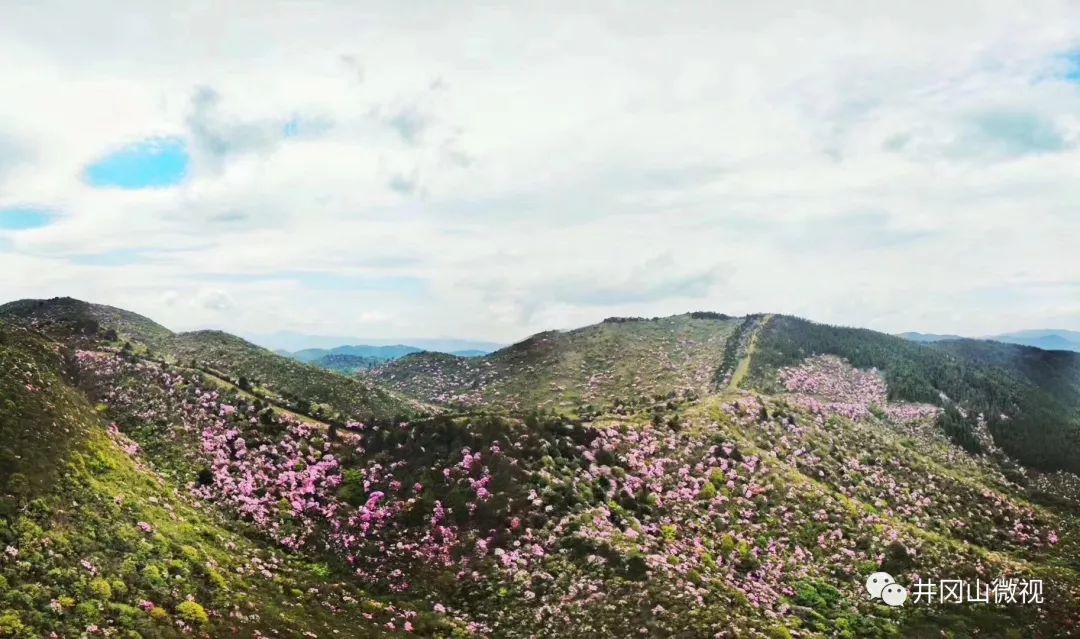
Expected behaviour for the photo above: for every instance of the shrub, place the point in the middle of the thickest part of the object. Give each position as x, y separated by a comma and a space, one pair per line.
10, 624
192, 613
101, 589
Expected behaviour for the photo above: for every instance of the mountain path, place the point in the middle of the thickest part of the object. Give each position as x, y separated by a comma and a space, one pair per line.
743, 367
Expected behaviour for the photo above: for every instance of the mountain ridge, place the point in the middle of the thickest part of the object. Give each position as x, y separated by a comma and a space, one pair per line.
305, 389
683, 475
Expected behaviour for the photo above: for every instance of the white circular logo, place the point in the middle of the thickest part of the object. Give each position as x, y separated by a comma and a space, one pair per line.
876, 582
894, 595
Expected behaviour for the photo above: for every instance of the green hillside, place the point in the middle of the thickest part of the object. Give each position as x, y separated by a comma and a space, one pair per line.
764, 513
1030, 399
625, 360
348, 364
785, 462
380, 353
69, 317
305, 389
96, 542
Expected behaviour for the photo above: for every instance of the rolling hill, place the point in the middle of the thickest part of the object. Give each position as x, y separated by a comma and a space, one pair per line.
347, 364
349, 360
304, 388
98, 542
732, 473
1030, 399
300, 387
620, 359
380, 353
69, 317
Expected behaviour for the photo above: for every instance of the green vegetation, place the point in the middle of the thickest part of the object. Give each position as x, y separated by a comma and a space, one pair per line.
67, 317
347, 364
619, 362
609, 481
305, 389
96, 540
1029, 399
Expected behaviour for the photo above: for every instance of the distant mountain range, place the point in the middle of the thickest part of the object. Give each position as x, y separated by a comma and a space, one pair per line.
1046, 339
292, 341
351, 359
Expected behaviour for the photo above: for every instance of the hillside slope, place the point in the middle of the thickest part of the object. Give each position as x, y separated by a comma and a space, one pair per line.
762, 513
68, 317
98, 543
1029, 399
380, 353
308, 389
305, 389
619, 360
759, 506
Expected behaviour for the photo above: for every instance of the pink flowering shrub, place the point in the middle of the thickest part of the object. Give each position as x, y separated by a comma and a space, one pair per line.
683, 526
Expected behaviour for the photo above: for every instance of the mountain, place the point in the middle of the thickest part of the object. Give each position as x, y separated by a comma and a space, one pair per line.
382, 353
743, 474
620, 359
348, 360
71, 317
348, 364
292, 341
1029, 399
1051, 340
306, 389
302, 388
927, 337
1046, 339
98, 542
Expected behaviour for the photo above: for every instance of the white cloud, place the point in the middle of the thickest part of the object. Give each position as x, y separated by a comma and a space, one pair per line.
534, 166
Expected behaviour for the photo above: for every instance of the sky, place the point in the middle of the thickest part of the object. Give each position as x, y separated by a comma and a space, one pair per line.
460, 169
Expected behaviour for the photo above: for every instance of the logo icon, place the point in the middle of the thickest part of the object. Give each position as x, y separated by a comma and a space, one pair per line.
881, 585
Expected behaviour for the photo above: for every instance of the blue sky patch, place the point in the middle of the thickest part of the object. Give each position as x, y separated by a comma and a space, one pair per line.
21, 219
150, 164
1072, 66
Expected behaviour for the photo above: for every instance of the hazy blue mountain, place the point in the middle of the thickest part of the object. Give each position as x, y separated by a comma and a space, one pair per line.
292, 341
926, 337
1046, 339
385, 353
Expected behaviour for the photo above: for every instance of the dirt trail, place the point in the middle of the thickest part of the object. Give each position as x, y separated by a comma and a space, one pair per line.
743, 367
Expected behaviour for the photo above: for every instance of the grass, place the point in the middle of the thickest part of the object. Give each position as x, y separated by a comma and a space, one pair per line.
93, 533
615, 362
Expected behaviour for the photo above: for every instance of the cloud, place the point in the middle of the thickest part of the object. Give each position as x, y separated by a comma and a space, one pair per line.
408, 122
12, 154
215, 299
992, 135
538, 167
216, 134
403, 183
